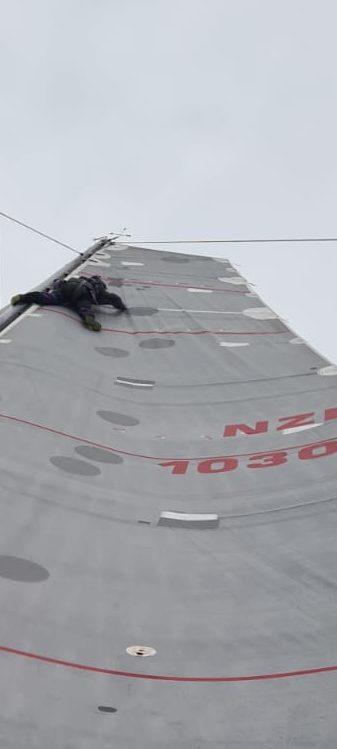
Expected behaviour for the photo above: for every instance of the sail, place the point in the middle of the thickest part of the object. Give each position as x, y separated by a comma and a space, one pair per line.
168, 518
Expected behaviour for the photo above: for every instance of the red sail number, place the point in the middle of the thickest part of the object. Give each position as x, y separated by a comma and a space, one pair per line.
260, 460
268, 460
318, 451
179, 466
220, 465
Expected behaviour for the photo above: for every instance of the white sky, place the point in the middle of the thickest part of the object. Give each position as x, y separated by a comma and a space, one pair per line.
178, 119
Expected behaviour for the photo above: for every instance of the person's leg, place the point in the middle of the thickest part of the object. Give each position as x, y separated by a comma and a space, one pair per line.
36, 297
113, 300
83, 307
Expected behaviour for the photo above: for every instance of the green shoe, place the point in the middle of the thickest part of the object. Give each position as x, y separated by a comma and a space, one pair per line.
16, 299
91, 323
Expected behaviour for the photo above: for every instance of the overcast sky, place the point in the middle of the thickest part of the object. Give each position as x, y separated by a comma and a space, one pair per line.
178, 119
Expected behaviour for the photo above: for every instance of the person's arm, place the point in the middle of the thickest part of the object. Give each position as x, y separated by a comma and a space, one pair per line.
112, 299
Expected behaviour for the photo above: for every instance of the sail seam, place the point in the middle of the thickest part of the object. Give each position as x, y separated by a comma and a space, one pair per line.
76, 438
166, 677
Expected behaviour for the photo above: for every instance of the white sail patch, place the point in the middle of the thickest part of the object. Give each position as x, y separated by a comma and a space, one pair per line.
260, 313
128, 262
329, 371
233, 344
235, 280
198, 311
102, 255
132, 383
101, 263
200, 291
302, 428
189, 520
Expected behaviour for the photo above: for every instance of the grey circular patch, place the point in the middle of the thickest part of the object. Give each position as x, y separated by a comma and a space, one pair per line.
143, 311
72, 465
22, 570
97, 453
175, 259
117, 353
156, 343
116, 418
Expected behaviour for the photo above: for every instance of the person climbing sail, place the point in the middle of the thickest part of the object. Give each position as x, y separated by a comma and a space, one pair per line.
80, 294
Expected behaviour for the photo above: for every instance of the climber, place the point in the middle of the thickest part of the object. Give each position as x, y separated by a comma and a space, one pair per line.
80, 294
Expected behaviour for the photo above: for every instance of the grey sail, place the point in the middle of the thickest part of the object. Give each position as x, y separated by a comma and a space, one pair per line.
168, 563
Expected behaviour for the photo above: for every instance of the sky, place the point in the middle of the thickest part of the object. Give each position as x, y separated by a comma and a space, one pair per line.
179, 119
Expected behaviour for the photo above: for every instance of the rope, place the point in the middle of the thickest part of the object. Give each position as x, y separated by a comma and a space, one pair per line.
234, 241
41, 233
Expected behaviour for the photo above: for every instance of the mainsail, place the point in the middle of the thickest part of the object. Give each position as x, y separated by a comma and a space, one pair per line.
168, 518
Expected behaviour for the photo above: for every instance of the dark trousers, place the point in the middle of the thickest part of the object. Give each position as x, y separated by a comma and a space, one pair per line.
82, 305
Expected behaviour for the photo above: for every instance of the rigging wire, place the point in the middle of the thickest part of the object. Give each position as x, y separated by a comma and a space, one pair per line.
234, 241
41, 233
270, 240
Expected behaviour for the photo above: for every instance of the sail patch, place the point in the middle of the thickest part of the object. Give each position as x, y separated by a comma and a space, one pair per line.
22, 570
233, 344
235, 280
260, 313
98, 454
75, 466
297, 341
328, 371
129, 262
132, 383
153, 343
194, 290
117, 353
116, 418
189, 520
292, 430
101, 263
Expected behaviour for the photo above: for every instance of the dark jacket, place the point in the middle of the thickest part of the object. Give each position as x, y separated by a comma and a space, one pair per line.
72, 289
96, 287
